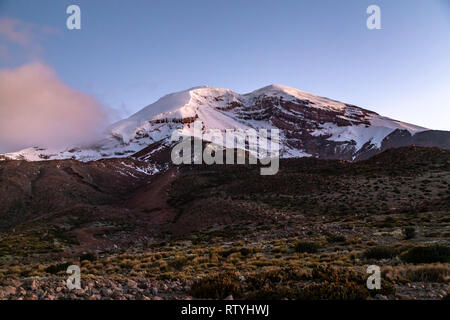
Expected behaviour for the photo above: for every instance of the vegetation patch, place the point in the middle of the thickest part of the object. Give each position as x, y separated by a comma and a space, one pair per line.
307, 247
381, 252
428, 254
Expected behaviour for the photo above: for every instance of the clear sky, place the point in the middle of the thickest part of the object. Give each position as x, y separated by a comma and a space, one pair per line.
129, 53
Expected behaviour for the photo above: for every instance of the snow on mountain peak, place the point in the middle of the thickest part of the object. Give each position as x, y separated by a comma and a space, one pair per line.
178, 105
305, 120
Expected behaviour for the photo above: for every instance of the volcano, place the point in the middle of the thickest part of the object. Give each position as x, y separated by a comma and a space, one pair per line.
310, 126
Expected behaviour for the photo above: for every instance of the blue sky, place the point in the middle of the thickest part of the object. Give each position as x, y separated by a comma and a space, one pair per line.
130, 53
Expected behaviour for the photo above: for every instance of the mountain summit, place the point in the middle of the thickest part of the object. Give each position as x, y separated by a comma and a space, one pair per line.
310, 126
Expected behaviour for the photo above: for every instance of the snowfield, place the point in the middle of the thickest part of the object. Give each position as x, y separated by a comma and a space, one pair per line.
215, 107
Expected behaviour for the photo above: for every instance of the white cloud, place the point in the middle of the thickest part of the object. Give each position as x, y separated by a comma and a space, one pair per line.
38, 109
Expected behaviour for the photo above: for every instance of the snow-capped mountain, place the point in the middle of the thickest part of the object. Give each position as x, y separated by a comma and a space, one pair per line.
310, 125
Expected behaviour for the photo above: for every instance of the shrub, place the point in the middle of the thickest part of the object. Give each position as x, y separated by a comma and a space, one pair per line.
316, 291
409, 233
218, 286
226, 253
327, 284
328, 273
307, 247
333, 291
332, 238
429, 254
88, 257
388, 222
430, 274
272, 292
179, 262
381, 252
323, 283
55, 268
245, 251
276, 276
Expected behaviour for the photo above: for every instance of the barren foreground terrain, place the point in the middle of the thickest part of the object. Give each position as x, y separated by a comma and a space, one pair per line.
218, 232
